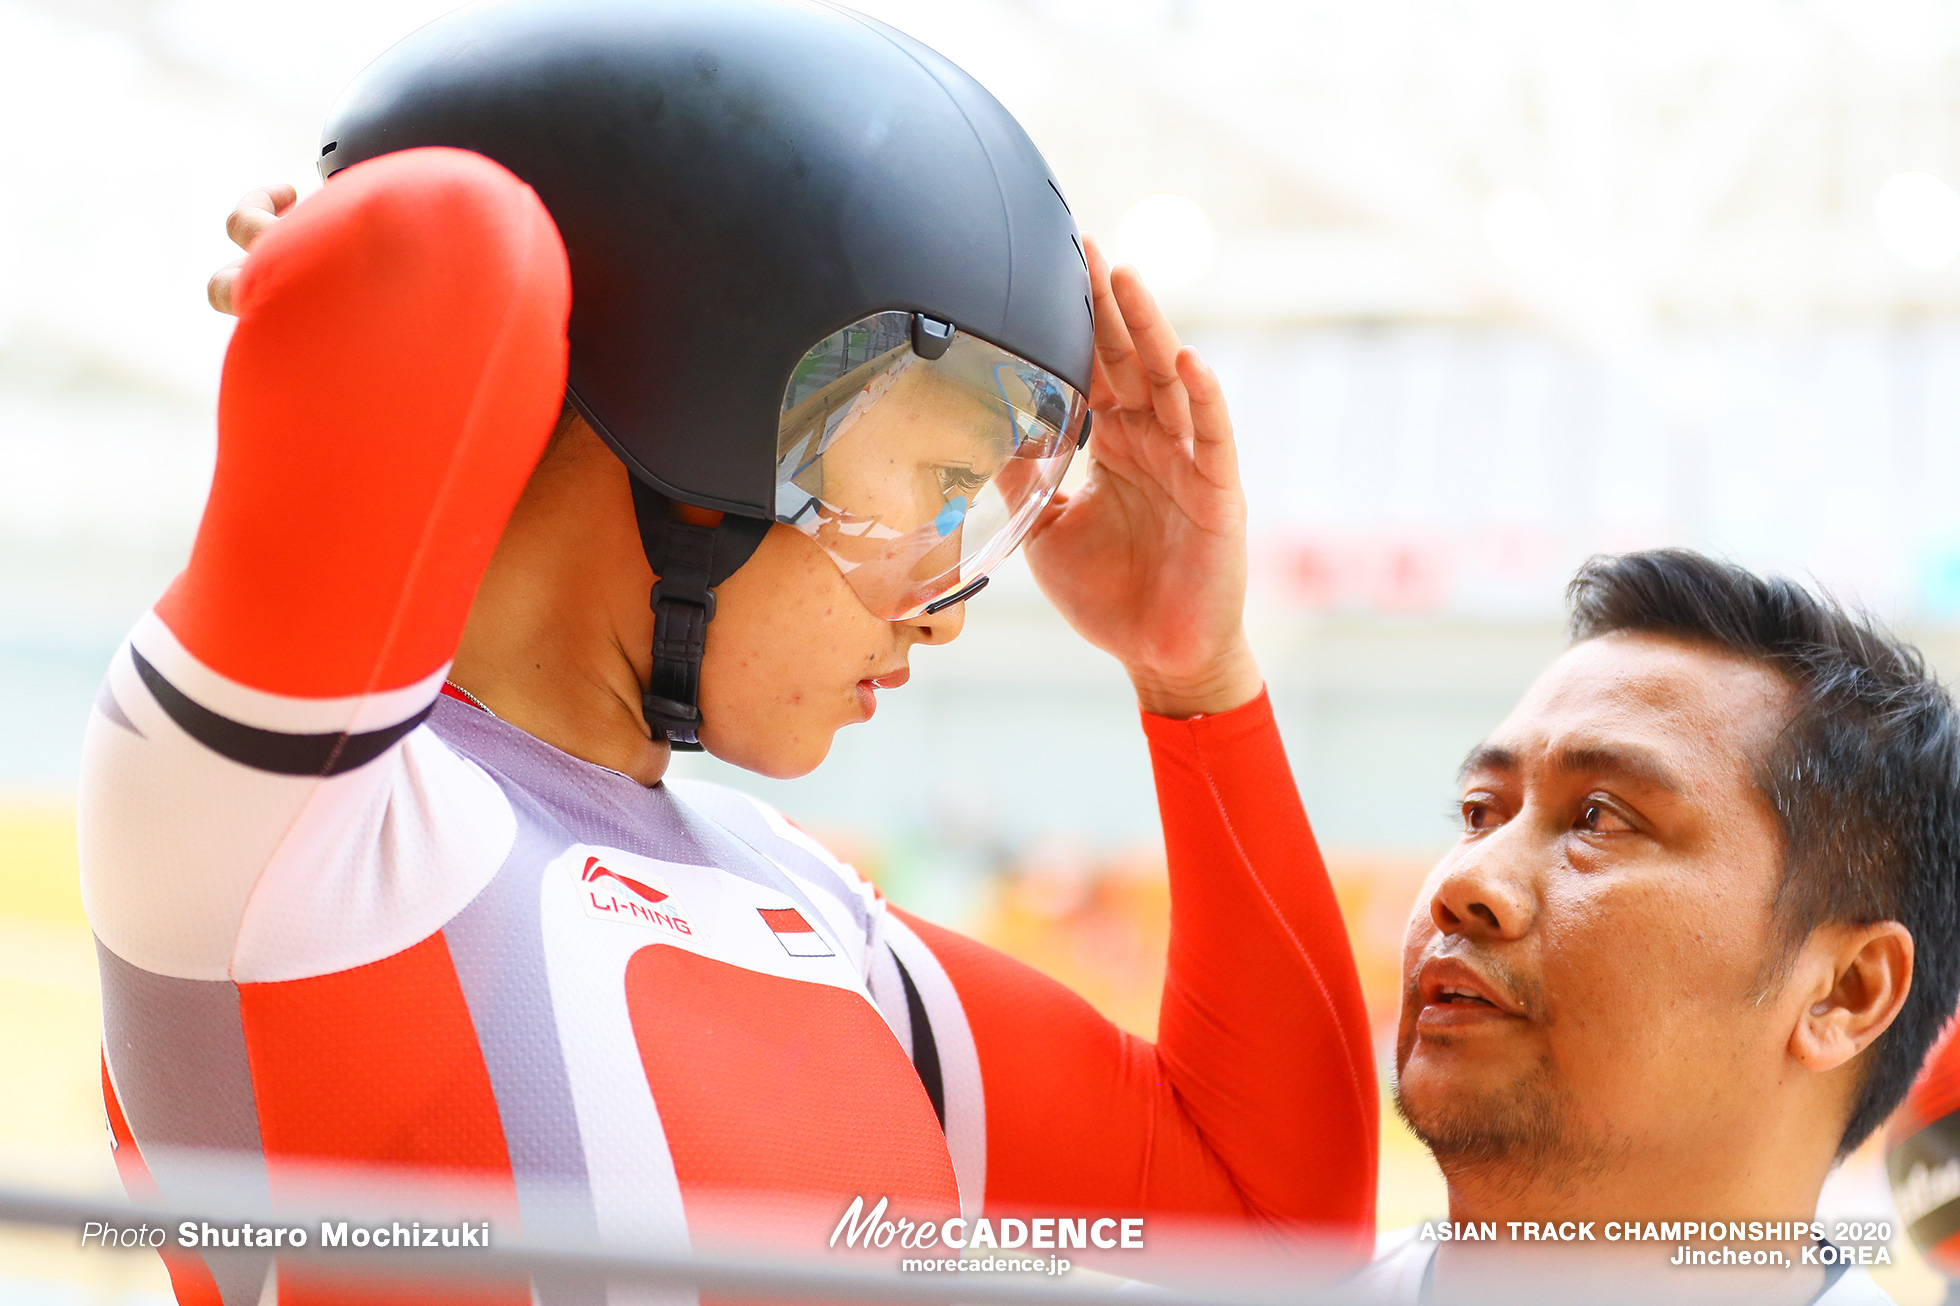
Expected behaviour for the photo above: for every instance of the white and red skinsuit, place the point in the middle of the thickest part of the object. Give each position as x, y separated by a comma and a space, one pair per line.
343, 918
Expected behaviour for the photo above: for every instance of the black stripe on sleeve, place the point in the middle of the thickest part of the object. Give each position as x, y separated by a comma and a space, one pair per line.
925, 1050
271, 750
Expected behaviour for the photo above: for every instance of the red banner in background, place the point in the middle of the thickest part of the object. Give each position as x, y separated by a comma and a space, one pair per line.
1485, 571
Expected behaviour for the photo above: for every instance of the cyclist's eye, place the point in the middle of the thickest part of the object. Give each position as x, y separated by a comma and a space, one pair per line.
957, 480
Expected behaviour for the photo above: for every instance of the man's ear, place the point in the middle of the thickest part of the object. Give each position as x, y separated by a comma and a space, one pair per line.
1862, 975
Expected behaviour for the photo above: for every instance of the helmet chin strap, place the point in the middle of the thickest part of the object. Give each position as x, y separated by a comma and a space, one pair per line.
690, 560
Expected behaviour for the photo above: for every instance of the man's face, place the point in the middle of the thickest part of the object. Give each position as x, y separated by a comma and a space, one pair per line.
1582, 970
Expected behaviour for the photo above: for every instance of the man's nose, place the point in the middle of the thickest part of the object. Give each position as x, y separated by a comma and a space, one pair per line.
1489, 893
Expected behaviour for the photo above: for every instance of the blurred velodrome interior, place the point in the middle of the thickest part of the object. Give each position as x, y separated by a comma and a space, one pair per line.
1492, 284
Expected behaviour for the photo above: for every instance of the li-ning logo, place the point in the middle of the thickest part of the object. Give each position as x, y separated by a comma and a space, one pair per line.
594, 871
638, 901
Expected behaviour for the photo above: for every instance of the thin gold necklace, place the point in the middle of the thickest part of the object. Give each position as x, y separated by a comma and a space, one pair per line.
471, 697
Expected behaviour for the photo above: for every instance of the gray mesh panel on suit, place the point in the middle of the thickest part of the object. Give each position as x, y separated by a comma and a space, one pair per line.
497, 947
588, 803
176, 1051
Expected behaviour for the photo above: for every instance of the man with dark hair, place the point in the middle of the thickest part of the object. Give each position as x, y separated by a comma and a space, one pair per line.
1692, 945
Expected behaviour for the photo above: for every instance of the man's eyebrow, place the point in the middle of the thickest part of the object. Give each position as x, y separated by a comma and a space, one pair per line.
1487, 757
1636, 764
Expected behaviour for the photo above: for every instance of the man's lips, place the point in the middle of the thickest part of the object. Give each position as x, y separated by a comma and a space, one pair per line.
1454, 993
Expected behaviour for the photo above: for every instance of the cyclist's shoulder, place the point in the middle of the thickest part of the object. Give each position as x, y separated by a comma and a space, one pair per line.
766, 829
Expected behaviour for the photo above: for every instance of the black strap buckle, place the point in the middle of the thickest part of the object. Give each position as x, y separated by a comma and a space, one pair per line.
690, 560
671, 699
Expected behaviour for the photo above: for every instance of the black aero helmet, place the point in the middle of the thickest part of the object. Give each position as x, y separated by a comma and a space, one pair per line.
795, 234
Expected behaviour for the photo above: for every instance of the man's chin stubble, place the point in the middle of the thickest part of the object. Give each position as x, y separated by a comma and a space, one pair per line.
1510, 1141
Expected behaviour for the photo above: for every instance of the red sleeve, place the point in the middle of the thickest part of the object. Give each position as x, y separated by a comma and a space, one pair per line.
399, 359
1258, 1098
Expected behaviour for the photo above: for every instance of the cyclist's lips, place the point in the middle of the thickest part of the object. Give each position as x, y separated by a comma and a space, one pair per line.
867, 689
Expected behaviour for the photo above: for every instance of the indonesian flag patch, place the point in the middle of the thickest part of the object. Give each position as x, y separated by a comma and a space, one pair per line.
794, 933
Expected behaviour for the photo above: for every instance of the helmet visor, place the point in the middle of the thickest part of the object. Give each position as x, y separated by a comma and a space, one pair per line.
918, 474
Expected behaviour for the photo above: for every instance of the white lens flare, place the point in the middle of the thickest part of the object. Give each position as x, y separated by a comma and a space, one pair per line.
1919, 217
1168, 239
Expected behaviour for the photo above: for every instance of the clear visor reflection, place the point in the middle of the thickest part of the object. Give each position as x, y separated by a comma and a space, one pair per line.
909, 474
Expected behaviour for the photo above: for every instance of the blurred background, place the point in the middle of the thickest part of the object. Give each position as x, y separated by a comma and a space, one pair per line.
1492, 285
